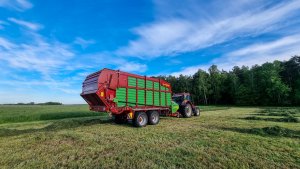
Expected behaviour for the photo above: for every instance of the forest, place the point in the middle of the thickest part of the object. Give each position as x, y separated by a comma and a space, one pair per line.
269, 84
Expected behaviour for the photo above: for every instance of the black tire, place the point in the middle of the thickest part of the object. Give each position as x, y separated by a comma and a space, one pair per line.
153, 117
140, 119
187, 111
120, 119
197, 112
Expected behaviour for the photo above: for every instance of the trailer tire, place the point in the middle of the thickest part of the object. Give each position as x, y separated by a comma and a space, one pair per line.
120, 119
197, 112
153, 117
187, 111
140, 119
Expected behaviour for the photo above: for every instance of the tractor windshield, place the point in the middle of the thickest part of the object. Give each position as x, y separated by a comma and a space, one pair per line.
178, 99
188, 97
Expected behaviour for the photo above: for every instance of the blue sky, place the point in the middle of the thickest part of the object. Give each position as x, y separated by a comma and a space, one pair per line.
48, 47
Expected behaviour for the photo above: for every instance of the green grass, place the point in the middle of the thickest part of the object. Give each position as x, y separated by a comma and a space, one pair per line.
220, 138
17, 113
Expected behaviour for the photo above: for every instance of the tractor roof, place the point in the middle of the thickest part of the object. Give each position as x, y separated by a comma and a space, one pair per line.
180, 94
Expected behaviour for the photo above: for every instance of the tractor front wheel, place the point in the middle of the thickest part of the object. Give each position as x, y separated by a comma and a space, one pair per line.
197, 112
140, 119
187, 111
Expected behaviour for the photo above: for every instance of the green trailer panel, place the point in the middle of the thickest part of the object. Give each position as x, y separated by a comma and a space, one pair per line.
131, 81
163, 98
149, 97
144, 94
141, 83
141, 97
156, 86
121, 94
132, 96
156, 99
149, 84
168, 101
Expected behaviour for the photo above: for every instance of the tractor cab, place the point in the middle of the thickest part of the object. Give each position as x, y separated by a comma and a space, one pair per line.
186, 106
181, 98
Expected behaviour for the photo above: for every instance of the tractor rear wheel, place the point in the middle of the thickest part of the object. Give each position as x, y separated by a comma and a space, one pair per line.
153, 117
197, 112
140, 119
187, 111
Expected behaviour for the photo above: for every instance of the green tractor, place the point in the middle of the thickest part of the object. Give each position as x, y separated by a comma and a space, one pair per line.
186, 106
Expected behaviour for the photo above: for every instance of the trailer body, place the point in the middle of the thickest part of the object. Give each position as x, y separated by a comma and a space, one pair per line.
119, 92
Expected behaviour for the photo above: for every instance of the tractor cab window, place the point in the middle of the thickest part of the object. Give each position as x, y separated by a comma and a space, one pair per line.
188, 97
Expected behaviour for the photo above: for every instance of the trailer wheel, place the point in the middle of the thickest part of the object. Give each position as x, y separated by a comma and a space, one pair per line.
153, 117
197, 112
187, 111
140, 119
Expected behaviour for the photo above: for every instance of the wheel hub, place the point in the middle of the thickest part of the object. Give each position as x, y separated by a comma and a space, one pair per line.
154, 118
141, 119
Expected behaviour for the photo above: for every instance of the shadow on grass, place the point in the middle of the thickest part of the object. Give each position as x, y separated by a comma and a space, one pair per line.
57, 125
267, 131
274, 114
64, 115
284, 119
48, 116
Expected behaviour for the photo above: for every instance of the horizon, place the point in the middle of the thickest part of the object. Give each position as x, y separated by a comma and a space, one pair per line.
47, 48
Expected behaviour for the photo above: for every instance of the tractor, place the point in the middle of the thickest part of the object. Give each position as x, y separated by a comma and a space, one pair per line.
186, 106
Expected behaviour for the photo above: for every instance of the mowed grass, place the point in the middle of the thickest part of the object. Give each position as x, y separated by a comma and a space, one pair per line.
220, 138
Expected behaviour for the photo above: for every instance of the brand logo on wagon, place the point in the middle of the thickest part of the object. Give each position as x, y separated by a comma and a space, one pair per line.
166, 85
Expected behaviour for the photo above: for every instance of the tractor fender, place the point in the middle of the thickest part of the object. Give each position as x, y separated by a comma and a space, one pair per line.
188, 102
184, 103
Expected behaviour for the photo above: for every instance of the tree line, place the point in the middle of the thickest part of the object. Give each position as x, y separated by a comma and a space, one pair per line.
33, 103
274, 84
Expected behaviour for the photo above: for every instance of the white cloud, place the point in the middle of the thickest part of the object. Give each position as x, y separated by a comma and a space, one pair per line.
28, 25
5, 44
132, 67
270, 47
24, 4
38, 55
64, 85
172, 35
189, 70
19, 5
54, 63
83, 43
157, 39
32, 83
280, 49
111, 60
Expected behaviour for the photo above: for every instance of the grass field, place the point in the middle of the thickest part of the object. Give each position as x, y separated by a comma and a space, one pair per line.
222, 137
